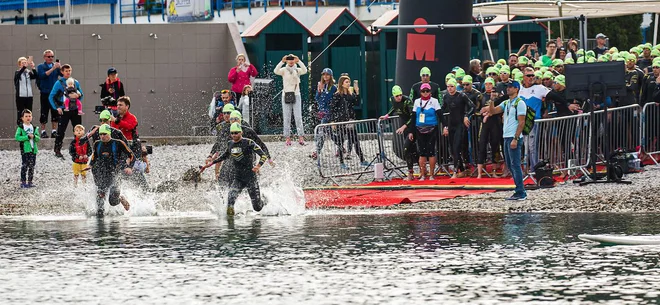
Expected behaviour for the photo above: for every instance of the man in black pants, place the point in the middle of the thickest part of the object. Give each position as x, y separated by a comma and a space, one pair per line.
403, 107
47, 75
460, 108
241, 151
475, 96
110, 156
57, 102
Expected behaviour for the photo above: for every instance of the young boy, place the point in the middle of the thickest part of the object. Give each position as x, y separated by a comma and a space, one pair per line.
80, 150
71, 88
28, 137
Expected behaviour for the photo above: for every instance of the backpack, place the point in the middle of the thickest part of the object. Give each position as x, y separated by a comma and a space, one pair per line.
60, 93
530, 116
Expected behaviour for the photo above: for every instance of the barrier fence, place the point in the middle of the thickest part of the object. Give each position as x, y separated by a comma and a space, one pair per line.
563, 141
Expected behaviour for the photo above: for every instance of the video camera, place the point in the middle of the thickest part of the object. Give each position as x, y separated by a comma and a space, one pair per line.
106, 102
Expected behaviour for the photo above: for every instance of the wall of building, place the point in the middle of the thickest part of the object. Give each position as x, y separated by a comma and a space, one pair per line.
88, 14
169, 79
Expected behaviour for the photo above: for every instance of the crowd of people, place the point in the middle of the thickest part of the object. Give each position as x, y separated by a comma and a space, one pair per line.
112, 150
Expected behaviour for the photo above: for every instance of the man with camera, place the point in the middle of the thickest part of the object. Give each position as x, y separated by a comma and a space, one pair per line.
56, 99
127, 123
47, 75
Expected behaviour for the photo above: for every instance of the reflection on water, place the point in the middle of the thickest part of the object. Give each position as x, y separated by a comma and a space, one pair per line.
327, 258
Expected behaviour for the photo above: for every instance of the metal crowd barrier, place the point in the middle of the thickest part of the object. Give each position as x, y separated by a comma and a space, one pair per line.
564, 142
353, 137
651, 130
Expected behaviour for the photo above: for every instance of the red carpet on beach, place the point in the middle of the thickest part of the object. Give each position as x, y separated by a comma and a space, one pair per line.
397, 191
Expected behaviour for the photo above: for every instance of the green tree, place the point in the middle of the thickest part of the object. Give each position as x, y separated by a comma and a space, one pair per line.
623, 31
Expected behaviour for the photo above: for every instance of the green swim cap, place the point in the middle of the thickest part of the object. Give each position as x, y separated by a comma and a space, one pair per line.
518, 77
467, 79
490, 80
396, 90
591, 60
235, 127
539, 74
560, 79
451, 82
569, 61
236, 115
523, 60
460, 73
538, 64
425, 71
655, 52
603, 58
557, 62
105, 115
228, 108
492, 70
590, 53
449, 76
548, 75
501, 61
105, 129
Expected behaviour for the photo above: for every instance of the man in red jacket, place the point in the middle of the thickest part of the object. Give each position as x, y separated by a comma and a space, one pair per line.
126, 122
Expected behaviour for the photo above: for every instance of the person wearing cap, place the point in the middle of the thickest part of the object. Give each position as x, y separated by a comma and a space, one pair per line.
222, 135
459, 108
491, 129
290, 69
249, 133
342, 108
557, 67
649, 84
112, 86
104, 118
425, 75
523, 61
504, 75
547, 80
240, 75
325, 90
645, 61
633, 77
403, 107
557, 97
107, 161
476, 97
427, 114
241, 152
600, 48
514, 110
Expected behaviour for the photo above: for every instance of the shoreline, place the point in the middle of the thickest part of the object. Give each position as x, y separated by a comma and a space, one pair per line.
55, 194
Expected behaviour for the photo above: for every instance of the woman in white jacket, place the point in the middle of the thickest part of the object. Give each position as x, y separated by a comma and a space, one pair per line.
290, 68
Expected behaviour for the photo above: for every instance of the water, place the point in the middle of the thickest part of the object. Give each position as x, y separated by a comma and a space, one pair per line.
326, 257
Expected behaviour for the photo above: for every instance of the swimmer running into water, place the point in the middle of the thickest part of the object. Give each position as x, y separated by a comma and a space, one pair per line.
241, 150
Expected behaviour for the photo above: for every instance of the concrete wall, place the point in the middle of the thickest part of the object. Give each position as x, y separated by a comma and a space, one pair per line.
169, 79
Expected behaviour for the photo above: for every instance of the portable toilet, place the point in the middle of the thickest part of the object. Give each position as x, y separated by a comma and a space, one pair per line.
381, 62
271, 37
338, 43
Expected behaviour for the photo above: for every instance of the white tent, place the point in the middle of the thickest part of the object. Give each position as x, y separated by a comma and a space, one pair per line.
590, 9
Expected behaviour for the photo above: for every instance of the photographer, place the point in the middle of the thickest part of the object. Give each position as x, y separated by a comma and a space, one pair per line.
23, 84
291, 68
127, 123
112, 87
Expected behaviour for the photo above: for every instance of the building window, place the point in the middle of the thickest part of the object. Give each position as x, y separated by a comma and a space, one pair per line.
73, 21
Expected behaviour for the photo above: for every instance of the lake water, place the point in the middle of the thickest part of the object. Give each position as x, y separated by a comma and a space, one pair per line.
326, 257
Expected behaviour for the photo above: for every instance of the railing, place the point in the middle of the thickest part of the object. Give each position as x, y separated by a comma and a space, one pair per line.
563, 141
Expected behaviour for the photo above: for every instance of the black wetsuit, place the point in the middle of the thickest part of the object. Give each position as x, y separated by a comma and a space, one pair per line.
435, 91
558, 98
491, 133
633, 82
647, 88
475, 124
108, 159
404, 109
220, 145
459, 106
242, 155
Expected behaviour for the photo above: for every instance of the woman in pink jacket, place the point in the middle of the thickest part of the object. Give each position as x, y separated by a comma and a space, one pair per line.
239, 76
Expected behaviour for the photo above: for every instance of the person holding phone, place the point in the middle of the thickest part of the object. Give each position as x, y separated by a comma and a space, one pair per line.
240, 76
23, 84
47, 74
290, 68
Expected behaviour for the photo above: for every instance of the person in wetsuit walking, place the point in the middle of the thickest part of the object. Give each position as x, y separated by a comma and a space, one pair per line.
241, 151
110, 156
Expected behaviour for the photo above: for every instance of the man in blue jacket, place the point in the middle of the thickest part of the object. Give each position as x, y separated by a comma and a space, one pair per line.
57, 102
47, 74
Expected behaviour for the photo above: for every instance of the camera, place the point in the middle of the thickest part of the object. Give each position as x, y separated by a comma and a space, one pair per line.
290, 58
108, 101
150, 149
98, 109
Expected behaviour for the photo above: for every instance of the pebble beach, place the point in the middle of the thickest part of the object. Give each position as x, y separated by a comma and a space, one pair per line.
55, 193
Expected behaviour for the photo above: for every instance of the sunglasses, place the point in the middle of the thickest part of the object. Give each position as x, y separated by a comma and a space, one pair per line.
50, 56
426, 91
493, 74
529, 75
224, 91
656, 67
235, 132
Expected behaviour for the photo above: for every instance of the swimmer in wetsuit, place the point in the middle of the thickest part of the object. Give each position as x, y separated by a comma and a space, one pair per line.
110, 156
241, 151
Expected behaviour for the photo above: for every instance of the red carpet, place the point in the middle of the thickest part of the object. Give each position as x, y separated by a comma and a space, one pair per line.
379, 198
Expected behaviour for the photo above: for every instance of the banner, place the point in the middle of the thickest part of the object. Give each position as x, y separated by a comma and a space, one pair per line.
189, 10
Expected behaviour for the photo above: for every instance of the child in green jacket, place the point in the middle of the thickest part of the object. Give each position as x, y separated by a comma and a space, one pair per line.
27, 136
